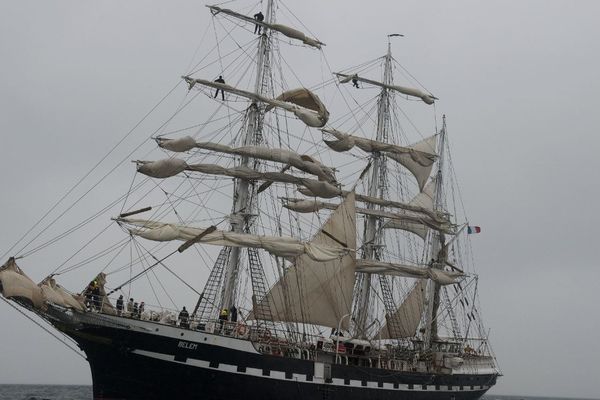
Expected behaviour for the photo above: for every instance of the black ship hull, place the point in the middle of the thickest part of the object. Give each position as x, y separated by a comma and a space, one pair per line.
141, 360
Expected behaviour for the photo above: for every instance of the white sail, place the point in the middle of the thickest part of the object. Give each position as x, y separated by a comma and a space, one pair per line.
170, 167
426, 97
15, 284
310, 117
284, 29
320, 292
54, 293
277, 245
419, 166
407, 317
423, 199
302, 162
417, 158
413, 217
162, 168
408, 271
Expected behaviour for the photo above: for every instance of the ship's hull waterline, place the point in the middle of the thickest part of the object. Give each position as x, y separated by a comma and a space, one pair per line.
132, 359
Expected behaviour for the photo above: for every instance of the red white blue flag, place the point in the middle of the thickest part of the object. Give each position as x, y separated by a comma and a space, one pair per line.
473, 229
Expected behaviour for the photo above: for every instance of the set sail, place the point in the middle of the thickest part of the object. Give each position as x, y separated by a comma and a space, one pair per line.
319, 292
418, 158
404, 322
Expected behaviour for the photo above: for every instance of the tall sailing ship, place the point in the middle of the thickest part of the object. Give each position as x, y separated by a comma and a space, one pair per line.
340, 266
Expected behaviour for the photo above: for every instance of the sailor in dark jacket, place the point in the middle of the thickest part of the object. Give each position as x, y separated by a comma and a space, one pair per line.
120, 305
184, 318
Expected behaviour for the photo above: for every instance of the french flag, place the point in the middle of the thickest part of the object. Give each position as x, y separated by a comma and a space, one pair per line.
473, 229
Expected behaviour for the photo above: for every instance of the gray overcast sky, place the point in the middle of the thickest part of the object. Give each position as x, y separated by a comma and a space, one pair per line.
517, 79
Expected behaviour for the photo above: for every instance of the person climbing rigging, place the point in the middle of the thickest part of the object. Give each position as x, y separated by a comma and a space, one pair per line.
220, 80
355, 82
260, 18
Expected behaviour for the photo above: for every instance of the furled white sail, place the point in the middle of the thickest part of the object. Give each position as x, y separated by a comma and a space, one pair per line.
284, 29
315, 119
319, 292
162, 168
276, 245
403, 323
54, 293
423, 199
426, 97
417, 158
302, 162
170, 167
408, 271
15, 284
413, 217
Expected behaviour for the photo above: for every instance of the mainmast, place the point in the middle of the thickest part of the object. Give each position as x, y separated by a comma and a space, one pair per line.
372, 239
439, 252
242, 200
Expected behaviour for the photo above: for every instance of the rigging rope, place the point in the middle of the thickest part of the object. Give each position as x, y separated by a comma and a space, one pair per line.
44, 328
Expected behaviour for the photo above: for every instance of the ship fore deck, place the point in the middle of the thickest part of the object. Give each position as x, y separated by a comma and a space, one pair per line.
132, 358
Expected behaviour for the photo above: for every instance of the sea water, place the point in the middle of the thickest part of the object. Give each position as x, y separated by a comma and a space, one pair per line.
45, 392
71, 392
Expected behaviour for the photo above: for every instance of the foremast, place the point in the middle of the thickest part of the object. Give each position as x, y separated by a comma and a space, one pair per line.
241, 216
377, 184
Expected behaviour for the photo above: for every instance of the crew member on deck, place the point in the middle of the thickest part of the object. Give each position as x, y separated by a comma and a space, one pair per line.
135, 310
184, 318
220, 80
96, 296
233, 313
223, 317
120, 305
260, 18
130, 306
